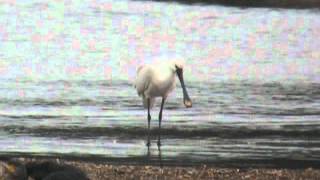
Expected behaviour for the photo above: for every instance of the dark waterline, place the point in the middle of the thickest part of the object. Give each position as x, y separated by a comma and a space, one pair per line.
287, 4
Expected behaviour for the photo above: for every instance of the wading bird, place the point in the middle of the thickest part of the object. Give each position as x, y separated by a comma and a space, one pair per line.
158, 80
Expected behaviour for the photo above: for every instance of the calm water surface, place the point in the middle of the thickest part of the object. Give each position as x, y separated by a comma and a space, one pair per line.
67, 71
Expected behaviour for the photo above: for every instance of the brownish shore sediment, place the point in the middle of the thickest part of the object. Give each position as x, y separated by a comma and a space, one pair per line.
103, 170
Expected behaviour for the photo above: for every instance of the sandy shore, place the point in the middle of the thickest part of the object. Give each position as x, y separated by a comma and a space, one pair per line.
103, 170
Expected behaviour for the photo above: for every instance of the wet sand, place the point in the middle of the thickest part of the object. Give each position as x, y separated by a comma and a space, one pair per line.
99, 170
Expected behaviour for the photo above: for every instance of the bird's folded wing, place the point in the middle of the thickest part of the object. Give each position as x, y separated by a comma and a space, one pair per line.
143, 80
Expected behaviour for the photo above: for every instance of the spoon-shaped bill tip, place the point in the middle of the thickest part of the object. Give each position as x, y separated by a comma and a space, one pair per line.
187, 103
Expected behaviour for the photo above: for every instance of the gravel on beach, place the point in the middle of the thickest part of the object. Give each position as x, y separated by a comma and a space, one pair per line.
105, 171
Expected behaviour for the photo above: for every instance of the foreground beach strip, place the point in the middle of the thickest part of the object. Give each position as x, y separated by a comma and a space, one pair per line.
103, 170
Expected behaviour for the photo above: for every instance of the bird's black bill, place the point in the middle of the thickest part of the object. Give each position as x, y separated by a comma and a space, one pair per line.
186, 99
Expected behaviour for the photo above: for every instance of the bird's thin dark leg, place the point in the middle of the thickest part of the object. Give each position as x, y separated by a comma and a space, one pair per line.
149, 119
160, 119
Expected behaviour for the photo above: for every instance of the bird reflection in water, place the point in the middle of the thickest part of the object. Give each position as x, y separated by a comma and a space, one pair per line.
149, 155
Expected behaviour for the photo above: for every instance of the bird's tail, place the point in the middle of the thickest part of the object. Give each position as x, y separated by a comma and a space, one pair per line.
145, 102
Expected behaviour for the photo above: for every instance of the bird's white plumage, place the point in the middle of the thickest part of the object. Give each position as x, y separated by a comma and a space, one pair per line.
156, 80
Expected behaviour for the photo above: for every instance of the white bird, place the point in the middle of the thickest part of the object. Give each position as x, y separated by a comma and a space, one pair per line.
158, 80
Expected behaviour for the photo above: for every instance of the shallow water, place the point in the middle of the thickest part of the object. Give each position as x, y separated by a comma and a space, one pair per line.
66, 85
256, 122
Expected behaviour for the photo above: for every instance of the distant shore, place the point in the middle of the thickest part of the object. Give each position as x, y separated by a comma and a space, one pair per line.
102, 170
297, 4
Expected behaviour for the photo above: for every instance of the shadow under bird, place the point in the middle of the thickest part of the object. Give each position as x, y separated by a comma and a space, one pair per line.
158, 80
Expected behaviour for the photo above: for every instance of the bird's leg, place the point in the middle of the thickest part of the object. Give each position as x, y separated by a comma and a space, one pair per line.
160, 118
149, 116
149, 119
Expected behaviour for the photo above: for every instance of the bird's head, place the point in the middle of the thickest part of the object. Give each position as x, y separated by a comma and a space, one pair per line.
179, 64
